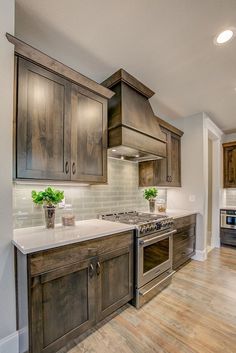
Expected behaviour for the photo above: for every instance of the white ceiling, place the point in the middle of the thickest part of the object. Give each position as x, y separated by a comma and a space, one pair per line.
167, 44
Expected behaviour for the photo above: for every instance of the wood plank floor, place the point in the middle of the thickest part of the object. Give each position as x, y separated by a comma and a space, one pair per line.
195, 314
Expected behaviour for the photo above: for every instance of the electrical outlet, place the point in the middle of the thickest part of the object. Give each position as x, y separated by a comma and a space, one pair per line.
62, 204
192, 198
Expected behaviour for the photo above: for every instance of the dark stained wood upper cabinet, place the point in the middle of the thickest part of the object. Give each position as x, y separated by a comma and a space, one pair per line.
165, 171
60, 120
42, 124
61, 128
229, 153
88, 136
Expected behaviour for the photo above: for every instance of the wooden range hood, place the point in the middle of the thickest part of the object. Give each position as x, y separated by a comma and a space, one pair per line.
133, 130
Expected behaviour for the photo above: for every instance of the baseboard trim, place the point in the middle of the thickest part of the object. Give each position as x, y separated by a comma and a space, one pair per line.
10, 344
201, 255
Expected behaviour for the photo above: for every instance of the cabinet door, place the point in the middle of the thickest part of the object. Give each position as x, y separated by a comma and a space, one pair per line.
184, 244
175, 161
230, 166
88, 136
42, 124
115, 280
62, 306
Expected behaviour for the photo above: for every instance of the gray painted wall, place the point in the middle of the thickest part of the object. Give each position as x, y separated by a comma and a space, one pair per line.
7, 293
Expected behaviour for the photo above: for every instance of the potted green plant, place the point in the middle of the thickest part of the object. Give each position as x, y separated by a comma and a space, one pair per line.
49, 198
150, 195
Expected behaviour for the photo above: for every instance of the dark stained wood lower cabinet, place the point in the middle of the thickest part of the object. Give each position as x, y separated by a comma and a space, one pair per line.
184, 241
59, 297
115, 285
62, 306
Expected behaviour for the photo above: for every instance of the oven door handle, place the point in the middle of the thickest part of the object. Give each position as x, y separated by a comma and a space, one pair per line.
158, 237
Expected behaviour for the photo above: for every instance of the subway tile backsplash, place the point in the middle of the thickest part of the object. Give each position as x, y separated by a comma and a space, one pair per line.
121, 194
230, 197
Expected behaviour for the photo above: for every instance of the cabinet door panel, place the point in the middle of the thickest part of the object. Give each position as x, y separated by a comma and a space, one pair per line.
63, 306
89, 136
175, 172
115, 286
165, 171
183, 245
43, 124
230, 166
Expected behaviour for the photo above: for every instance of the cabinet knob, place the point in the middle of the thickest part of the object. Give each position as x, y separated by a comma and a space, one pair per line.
98, 268
73, 168
67, 167
91, 270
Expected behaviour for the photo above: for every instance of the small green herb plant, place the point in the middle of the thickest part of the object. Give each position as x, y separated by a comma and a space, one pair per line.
150, 194
49, 197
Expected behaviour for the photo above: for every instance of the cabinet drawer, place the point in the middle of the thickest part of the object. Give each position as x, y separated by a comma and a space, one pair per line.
184, 235
49, 260
184, 221
228, 236
184, 250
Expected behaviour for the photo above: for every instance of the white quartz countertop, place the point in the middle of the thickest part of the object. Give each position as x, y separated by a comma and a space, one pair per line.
33, 239
233, 208
177, 213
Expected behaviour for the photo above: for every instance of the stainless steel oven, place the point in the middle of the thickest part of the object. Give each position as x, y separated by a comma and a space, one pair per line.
154, 256
228, 219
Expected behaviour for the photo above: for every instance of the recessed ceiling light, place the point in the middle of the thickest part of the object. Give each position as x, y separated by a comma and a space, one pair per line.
224, 36
137, 155
113, 150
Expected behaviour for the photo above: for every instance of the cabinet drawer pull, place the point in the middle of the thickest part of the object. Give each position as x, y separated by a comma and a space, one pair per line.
73, 168
98, 268
67, 167
91, 270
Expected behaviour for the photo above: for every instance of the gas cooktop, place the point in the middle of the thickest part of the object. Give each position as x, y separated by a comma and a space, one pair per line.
145, 222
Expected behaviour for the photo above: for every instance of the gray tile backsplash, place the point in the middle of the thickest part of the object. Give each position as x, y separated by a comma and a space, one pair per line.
230, 197
121, 194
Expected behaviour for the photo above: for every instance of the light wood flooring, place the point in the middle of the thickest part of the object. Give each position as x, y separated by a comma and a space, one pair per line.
196, 313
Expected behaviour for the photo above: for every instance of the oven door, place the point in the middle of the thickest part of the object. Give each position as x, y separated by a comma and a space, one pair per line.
154, 256
228, 220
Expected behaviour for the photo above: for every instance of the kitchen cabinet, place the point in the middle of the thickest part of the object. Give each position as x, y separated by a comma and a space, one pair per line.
88, 136
184, 240
63, 292
229, 155
60, 122
165, 171
42, 124
228, 236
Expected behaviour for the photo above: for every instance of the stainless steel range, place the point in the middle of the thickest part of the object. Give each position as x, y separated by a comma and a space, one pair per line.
153, 245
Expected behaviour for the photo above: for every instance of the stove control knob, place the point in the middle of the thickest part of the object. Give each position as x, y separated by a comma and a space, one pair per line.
143, 228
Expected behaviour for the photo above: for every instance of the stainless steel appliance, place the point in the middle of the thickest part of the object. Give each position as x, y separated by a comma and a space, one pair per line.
228, 219
228, 227
153, 245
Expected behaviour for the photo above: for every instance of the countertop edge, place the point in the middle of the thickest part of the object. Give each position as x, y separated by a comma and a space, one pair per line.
28, 251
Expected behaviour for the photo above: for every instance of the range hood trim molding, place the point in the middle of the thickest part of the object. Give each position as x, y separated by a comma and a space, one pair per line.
123, 76
136, 130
